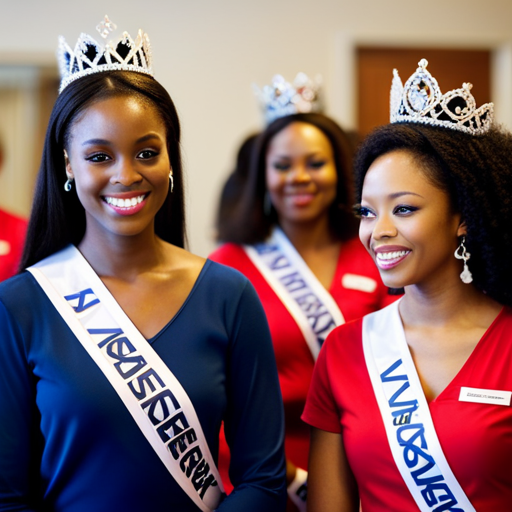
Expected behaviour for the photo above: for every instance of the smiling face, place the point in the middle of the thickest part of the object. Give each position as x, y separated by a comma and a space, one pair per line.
117, 155
301, 173
407, 223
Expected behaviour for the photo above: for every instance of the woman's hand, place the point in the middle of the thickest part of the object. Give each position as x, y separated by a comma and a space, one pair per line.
296, 482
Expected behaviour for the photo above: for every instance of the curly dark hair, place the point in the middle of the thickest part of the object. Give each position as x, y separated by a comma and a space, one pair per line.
58, 218
476, 173
249, 224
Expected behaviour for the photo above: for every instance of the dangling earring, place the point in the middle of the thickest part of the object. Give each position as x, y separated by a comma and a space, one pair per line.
462, 254
172, 181
267, 204
68, 184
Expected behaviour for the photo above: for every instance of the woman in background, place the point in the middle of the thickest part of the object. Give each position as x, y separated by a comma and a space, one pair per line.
12, 237
294, 237
410, 406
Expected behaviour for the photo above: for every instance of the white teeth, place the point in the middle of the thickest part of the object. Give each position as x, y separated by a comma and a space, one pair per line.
391, 255
124, 203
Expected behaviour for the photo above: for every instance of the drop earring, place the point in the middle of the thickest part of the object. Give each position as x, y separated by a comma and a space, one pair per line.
172, 181
462, 254
68, 185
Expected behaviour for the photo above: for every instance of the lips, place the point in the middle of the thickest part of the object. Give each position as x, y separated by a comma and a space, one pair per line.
127, 204
391, 256
301, 199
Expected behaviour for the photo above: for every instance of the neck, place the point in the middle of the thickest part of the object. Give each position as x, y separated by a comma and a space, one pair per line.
446, 304
122, 257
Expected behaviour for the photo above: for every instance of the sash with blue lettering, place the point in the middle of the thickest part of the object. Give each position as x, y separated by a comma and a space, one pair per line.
149, 390
409, 428
308, 302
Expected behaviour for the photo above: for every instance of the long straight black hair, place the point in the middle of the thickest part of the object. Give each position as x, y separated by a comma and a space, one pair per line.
58, 218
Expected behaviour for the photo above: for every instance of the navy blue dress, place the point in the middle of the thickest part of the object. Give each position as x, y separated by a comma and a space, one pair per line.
67, 443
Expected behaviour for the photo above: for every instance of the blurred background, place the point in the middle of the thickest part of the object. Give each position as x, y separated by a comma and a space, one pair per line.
207, 53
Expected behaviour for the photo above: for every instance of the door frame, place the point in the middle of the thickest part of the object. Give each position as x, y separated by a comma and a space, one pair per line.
343, 105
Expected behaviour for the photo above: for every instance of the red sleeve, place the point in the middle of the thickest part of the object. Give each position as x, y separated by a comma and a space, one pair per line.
321, 410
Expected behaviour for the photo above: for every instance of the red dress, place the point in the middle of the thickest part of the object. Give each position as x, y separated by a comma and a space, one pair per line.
476, 438
12, 238
294, 359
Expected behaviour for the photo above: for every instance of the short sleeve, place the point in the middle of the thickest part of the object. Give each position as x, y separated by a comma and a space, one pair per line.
321, 410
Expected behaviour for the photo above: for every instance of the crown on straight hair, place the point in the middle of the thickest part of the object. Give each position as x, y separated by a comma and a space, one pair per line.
421, 101
90, 57
283, 99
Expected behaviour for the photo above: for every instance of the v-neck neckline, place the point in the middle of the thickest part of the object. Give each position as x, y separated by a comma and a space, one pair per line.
406, 351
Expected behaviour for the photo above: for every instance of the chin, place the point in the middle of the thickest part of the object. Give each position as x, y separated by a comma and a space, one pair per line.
391, 281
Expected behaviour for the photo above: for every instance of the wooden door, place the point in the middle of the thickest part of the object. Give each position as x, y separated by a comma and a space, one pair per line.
451, 68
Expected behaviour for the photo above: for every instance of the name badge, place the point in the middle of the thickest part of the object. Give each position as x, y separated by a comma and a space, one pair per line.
356, 282
5, 247
485, 396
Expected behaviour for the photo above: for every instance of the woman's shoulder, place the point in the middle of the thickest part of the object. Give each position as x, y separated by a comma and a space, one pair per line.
220, 273
345, 333
21, 296
17, 287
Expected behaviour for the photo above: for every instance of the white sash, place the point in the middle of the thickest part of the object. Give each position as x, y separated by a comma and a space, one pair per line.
406, 415
151, 393
308, 302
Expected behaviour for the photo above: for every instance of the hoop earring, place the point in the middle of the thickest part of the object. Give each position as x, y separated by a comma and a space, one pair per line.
68, 185
172, 181
267, 204
462, 254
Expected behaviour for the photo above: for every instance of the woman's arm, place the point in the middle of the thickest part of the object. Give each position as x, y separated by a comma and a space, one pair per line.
331, 484
18, 470
254, 423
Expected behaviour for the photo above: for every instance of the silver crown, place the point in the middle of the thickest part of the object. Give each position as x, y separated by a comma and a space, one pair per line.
283, 99
421, 101
90, 57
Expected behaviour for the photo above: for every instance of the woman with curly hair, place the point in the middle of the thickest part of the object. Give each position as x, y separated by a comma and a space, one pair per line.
410, 406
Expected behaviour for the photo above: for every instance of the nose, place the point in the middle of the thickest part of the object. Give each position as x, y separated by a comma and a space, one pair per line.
384, 227
125, 173
299, 174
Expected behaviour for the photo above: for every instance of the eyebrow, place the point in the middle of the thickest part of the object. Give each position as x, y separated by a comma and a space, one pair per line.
145, 138
308, 155
404, 193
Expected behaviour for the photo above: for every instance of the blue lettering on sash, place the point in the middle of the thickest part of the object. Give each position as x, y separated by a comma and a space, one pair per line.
279, 262
127, 365
411, 437
177, 432
159, 407
293, 282
201, 479
265, 248
82, 305
113, 334
317, 314
409, 406
162, 409
145, 380
179, 444
173, 427
194, 463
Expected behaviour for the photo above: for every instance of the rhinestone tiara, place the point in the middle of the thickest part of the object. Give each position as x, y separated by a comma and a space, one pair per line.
283, 99
90, 57
421, 101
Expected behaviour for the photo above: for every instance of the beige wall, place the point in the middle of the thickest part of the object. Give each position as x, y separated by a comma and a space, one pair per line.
208, 52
